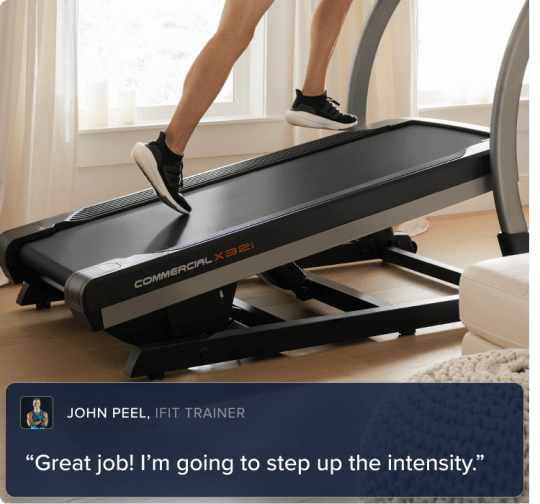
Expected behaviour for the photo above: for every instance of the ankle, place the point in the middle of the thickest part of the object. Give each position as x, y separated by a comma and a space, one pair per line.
173, 145
177, 151
169, 156
310, 92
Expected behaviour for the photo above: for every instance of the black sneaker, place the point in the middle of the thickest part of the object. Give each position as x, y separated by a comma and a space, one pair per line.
318, 112
166, 180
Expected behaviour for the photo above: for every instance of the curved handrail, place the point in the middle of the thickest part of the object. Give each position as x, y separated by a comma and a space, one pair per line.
503, 155
503, 149
364, 57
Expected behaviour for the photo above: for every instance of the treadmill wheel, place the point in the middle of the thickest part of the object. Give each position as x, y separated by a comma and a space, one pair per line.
156, 376
414, 247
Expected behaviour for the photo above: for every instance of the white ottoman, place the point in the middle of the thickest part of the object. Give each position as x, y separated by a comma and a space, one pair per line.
494, 304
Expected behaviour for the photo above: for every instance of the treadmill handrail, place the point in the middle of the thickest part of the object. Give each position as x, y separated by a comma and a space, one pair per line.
503, 153
503, 145
364, 57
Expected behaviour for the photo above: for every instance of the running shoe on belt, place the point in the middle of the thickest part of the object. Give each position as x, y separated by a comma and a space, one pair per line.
163, 169
318, 112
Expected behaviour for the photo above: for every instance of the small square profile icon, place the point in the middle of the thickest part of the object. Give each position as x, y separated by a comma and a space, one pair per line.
37, 412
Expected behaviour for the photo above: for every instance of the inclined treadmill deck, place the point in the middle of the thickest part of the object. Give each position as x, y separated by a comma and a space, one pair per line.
290, 188
166, 282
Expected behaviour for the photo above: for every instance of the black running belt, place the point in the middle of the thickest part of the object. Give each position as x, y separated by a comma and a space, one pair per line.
250, 198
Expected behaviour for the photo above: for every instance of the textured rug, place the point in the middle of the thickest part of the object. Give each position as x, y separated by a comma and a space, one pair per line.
500, 366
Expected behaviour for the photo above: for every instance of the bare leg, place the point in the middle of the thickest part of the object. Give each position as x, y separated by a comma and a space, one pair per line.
212, 67
326, 26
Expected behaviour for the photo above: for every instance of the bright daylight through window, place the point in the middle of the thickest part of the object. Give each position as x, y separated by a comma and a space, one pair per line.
146, 45
141, 51
461, 45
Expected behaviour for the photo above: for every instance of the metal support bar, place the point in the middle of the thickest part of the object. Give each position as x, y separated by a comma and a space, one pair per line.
342, 254
503, 147
340, 296
364, 57
271, 339
361, 249
252, 316
435, 269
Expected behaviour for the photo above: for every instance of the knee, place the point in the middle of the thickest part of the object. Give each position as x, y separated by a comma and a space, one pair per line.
236, 40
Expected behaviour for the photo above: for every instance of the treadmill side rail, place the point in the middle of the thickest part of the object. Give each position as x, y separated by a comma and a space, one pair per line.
10, 241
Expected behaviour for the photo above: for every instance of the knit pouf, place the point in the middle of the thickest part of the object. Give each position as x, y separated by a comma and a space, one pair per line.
499, 366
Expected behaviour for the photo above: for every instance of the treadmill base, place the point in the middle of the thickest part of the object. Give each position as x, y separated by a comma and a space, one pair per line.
271, 339
265, 334
207, 313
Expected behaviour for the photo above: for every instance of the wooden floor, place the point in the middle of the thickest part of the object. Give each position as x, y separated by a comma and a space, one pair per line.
50, 346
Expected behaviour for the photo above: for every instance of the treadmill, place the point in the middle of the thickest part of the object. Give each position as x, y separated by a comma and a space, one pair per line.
165, 282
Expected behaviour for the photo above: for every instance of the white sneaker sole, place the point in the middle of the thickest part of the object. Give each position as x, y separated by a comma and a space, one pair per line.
308, 120
145, 160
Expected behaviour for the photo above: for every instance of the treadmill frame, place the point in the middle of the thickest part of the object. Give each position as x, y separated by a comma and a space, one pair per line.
105, 295
205, 339
364, 315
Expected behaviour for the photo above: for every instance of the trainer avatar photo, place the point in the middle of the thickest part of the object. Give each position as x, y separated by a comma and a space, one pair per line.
40, 414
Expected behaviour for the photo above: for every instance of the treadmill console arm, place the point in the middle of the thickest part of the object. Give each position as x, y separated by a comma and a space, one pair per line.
364, 57
514, 237
514, 233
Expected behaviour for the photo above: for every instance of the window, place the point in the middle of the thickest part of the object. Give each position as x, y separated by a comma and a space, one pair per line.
149, 46
461, 45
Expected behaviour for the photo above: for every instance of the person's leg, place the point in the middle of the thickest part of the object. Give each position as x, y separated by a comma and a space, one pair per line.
161, 160
326, 27
212, 67
312, 108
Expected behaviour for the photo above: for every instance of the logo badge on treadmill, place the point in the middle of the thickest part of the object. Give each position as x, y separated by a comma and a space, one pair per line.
172, 272
234, 251
226, 254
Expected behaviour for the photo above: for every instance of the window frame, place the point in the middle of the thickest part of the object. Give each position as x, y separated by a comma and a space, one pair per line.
245, 101
439, 99
260, 130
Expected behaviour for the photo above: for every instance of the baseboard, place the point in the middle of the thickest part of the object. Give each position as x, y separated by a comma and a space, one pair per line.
485, 201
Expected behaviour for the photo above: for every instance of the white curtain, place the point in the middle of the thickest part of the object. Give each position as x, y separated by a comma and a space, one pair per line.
38, 107
393, 87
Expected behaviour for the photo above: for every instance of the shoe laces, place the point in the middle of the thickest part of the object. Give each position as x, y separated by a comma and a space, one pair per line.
180, 168
174, 175
333, 102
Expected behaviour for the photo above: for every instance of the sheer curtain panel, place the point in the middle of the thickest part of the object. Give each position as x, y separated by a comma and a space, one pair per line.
38, 106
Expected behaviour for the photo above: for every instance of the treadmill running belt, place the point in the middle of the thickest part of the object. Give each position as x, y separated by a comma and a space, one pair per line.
228, 203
